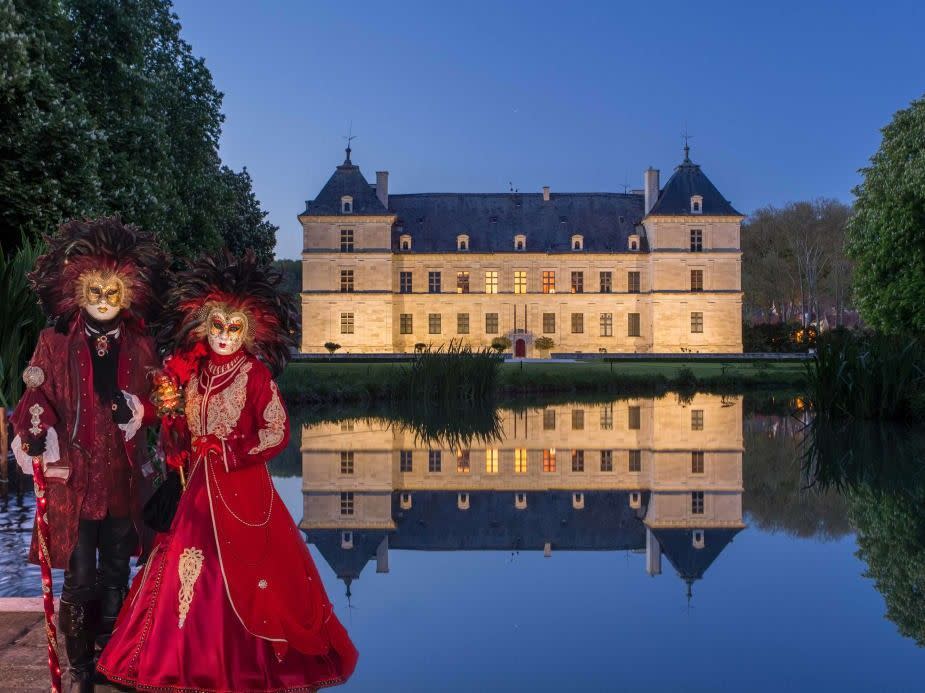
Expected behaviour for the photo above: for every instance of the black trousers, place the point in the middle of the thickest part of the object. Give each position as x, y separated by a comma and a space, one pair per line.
113, 540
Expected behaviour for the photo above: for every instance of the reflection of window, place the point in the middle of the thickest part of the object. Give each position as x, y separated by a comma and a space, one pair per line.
578, 460
491, 282
520, 500
549, 323
433, 461
578, 282
346, 323
491, 461
520, 461
606, 460
491, 323
462, 282
696, 419
607, 417
462, 461
634, 463
549, 282
405, 282
346, 240
405, 461
346, 281
549, 419
462, 323
578, 323
347, 425
697, 322
632, 325
433, 282
606, 324
406, 323
346, 462
632, 282
520, 281
433, 323
633, 418
549, 460
696, 280
578, 419
606, 282
697, 502
346, 503
697, 462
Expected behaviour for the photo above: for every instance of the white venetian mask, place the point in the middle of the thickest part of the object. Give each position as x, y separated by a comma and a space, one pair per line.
226, 331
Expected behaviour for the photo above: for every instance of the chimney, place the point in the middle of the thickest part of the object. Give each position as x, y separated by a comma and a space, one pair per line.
382, 187
545, 193
382, 552
651, 187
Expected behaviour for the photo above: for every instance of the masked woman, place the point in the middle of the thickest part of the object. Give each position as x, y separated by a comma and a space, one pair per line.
230, 599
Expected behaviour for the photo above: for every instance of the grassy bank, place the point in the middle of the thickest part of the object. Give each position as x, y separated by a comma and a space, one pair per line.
366, 382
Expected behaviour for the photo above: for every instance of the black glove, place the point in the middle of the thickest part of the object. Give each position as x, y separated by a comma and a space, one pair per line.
121, 412
34, 446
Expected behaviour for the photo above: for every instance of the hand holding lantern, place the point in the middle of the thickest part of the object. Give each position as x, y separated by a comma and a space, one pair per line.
167, 395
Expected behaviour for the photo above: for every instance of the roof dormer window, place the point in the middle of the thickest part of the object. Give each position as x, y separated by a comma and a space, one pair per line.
520, 242
633, 243
696, 204
404, 242
698, 539
346, 204
578, 242
462, 242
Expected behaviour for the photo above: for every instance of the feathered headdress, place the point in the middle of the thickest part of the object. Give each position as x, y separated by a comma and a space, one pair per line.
232, 284
107, 246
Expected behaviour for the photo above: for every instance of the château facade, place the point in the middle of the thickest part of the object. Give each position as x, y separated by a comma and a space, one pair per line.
655, 270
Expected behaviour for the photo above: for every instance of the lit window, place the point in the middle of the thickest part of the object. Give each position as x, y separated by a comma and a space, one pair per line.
462, 461
697, 280
549, 460
406, 323
606, 282
578, 282
406, 461
549, 419
578, 460
491, 323
462, 242
549, 282
462, 282
696, 419
606, 324
520, 461
634, 461
433, 461
491, 461
520, 281
697, 462
433, 282
549, 323
578, 419
632, 282
632, 325
578, 323
696, 240
346, 240
462, 323
346, 204
696, 502
634, 418
491, 282
405, 282
346, 503
606, 460
346, 323
696, 322
346, 462
346, 281
433, 323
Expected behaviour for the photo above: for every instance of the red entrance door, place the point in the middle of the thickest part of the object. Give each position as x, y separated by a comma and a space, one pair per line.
520, 348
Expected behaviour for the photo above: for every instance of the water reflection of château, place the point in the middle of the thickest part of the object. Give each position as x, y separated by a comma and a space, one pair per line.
653, 475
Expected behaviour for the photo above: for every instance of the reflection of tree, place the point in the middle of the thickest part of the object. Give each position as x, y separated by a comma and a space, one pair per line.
881, 472
775, 498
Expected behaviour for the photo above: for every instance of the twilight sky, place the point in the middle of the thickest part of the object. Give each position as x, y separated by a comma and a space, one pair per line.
784, 100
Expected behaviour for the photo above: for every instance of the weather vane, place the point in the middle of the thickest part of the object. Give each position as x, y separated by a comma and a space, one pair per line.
687, 143
349, 137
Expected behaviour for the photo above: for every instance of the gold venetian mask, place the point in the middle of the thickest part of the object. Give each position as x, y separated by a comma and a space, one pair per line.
227, 331
102, 294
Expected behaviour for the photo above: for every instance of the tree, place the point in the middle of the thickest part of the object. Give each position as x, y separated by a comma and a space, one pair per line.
544, 343
331, 347
501, 344
886, 235
244, 224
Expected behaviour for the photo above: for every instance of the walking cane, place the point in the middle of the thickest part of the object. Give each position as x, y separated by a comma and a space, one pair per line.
48, 596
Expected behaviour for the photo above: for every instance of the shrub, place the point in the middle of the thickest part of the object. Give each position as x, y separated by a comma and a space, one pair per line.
331, 347
501, 344
544, 343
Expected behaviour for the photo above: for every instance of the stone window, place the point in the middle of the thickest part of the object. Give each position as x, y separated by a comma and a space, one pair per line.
578, 323
696, 419
404, 242
606, 282
520, 460
697, 323
632, 282
406, 323
346, 323
578, 501
696, 502
607, 417
635, 500
463, 461
697, 462
698, 539
406, 461
462, 501
606, 460
578, 460
434, 460
346, 281
346, 204
433, 282
404, 500
696, 280
462, 282
696, 204
633, 418
491, 323
634, 461
491, 282
346, 503
346, 540
578, 242
549, 323
433, 323
520, 281
549, 282
520, 242
462, 242
491, 461
405, 282
549, 460
346, 462
346, 240
549, 419
633, 242
632, 325
578, 282
462, 323
578, 419
696, 240
606, 324
520, 501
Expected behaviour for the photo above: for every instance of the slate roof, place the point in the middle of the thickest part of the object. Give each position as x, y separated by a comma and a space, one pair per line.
691, 563
347, 180
686, 181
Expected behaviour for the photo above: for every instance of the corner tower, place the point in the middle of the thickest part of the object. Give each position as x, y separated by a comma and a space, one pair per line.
346, 265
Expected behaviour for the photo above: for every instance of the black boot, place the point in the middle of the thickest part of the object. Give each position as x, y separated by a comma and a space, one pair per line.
78, 622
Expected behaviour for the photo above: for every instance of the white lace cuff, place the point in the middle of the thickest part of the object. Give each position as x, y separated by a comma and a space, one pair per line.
51, 455
138, 411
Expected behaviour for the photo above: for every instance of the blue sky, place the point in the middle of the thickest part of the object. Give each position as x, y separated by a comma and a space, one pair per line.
784, 100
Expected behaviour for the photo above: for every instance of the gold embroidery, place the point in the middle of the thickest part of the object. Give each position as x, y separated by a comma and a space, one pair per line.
224, 408
33, 377
36, 410
275, 416
191, 407
190, 567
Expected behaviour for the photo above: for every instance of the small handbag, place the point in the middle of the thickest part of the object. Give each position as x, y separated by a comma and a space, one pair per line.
162, 506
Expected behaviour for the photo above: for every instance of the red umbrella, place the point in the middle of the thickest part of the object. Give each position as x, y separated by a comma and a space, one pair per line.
48, 596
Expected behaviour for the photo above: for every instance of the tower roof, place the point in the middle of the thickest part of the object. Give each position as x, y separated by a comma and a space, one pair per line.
686, 181
690, 562
346, 180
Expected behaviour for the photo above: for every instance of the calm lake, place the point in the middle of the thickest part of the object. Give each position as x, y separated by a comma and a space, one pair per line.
671, 544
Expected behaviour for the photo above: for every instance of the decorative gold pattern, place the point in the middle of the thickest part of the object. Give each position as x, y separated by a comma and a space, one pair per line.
275, 416
190, 567
33, 377
223, 408
36, 410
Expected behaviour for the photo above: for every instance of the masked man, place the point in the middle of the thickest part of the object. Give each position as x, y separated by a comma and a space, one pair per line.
83, 412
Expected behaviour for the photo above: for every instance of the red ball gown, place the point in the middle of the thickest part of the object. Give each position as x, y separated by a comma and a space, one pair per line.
230, 599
